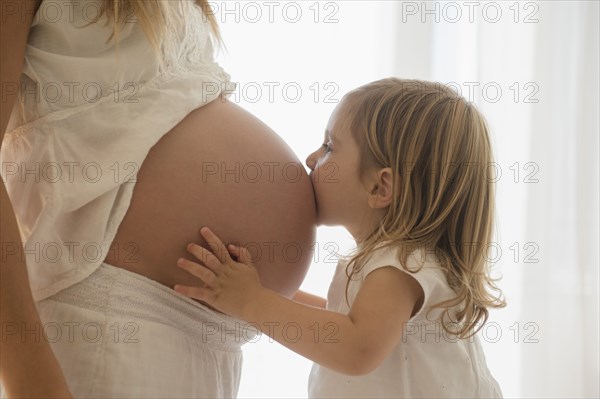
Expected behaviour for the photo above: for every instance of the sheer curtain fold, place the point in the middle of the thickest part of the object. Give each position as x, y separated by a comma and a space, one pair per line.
563, 208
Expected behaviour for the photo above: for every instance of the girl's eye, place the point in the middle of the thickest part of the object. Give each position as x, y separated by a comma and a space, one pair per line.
327, 148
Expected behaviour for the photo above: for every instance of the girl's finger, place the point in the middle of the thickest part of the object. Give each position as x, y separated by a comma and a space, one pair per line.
205, 256
241, 253
202, 294
203, 273
216, 245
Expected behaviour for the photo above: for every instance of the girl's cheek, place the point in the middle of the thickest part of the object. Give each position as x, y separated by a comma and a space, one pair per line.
328, 172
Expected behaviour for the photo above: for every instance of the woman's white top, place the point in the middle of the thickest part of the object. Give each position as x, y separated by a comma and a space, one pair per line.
84, 123
427, 362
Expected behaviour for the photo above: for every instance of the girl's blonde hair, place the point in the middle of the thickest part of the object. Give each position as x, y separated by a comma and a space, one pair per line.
437, 146
151, 15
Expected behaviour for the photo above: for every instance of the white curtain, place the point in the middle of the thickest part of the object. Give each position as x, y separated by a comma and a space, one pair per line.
561, 291
532, 68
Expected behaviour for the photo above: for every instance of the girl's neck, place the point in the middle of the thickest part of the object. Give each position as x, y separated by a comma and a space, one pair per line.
368, 227
361, 236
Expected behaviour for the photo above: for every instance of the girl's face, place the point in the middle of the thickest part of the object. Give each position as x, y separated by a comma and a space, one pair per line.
341, 197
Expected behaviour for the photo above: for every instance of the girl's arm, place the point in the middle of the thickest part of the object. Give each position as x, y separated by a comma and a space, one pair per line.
310, 299
353, 344
28, 367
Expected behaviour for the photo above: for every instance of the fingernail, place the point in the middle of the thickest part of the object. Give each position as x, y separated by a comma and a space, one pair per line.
204, 230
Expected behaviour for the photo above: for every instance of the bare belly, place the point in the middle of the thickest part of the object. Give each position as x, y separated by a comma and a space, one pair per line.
223, 168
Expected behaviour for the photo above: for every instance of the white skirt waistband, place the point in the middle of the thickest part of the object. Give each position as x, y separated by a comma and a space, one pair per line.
119, 292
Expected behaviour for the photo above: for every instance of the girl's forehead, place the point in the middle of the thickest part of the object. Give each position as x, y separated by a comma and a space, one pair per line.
339, 121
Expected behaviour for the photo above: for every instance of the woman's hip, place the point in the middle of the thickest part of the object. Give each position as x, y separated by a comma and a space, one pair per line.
119, 334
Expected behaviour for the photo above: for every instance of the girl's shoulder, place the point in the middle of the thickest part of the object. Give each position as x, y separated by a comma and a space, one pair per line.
420, 263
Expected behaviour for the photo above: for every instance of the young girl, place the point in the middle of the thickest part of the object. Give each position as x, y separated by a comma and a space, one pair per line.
401, 314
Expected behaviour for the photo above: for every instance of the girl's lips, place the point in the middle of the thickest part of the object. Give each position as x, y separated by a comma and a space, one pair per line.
314, 192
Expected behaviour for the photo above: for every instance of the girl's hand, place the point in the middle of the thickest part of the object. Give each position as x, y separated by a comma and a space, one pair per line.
231, 285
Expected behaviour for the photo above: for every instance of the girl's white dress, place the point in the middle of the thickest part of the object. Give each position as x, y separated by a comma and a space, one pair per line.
427, 362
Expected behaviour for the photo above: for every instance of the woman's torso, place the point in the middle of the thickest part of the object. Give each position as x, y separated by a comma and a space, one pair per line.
219, 167
199, 159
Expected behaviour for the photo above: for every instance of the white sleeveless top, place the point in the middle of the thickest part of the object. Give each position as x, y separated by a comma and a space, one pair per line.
85, 124
427, 362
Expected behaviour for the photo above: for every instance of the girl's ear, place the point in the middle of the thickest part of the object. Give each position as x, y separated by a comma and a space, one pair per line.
382, 193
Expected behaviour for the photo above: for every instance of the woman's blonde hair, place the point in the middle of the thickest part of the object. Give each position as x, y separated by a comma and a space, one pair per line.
437, 146
151, 15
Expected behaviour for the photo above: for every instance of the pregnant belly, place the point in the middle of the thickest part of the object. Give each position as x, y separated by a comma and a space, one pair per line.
219, 167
